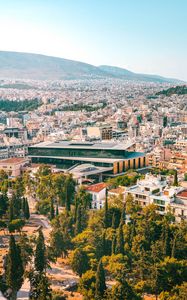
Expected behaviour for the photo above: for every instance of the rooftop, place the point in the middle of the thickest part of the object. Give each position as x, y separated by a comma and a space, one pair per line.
182, 194
96, 188
14, 160
85, 145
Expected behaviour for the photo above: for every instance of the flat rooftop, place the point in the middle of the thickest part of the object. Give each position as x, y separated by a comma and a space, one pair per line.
85, 145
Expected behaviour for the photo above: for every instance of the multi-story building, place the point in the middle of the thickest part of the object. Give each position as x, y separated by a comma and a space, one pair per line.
155, 190
116, 158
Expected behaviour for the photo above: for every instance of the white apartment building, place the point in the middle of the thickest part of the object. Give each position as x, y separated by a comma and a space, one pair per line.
155, 190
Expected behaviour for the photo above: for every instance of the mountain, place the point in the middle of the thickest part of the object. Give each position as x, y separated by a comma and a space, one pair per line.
18, 65
178, 90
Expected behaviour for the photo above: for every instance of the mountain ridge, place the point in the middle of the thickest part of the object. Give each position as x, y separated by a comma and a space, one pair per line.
21, 65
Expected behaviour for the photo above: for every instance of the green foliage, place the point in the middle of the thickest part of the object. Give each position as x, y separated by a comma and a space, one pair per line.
79, 261
57, 242
16, 225
14, 267
175, 182
22, 105
40, 260
87, 285
179, 90
100, 284
40, 286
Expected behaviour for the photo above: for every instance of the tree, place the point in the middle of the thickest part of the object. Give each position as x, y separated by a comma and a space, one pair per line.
16, 225
79, 261
14, 268
57, 242
106, 211
69, 189
83, 198
52, 210
175, 181
11, 210
114, 244
165, 121
3, 204
39, 286
26, 247
87, 285
78, 224
57, 211
120, 240
40, 260
123, 291
26, 210
100, 285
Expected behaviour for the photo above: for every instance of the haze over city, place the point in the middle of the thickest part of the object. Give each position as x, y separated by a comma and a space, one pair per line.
142, 36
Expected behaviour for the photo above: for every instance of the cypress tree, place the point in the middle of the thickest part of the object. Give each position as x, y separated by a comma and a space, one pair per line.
166, 242
40, 253
114, 220
14, 268
26, 209
114, 244
100, 286
3, 204
11, 210
57, 211
120, 240
78, 224
39, 287
104, 248
106, 210
52, 210
123, 215
175, 182
23, 205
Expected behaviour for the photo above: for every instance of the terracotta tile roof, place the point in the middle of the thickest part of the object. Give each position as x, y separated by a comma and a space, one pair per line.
182, 194
118, 190
13, 160
96, 188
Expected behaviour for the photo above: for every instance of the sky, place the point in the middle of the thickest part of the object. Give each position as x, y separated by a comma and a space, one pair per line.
144, 36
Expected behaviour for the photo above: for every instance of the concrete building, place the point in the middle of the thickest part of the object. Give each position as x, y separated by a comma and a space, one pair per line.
116, 158
98, 193
13, 166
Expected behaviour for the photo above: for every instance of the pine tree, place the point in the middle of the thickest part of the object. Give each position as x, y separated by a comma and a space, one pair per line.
52, 210
100, 286
106, 211
14, 268
80, 261
40, 253
26, 209
120, 240
78, 224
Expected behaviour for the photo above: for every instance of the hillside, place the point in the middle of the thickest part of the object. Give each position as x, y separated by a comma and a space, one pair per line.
41, 67
178, 90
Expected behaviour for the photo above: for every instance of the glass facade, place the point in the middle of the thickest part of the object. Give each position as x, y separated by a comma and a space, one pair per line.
95, 153
65, 164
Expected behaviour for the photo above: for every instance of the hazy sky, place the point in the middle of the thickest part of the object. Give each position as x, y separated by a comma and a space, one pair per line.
147, 36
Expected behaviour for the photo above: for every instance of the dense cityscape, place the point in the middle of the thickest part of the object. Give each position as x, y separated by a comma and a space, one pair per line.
103, 154
93, 150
